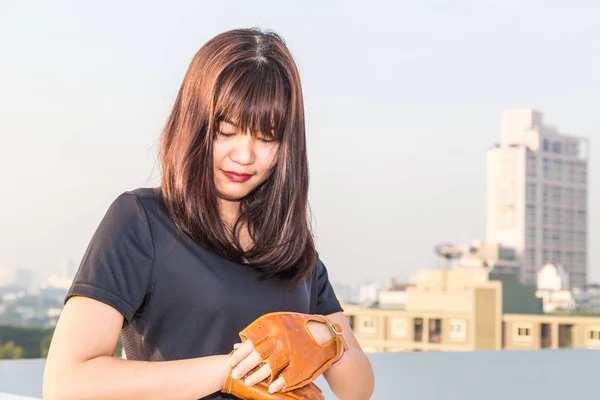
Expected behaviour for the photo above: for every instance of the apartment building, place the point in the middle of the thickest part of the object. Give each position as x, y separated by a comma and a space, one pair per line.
537, 195
466, 310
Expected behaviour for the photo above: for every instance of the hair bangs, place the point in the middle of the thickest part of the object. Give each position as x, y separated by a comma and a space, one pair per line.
254, 96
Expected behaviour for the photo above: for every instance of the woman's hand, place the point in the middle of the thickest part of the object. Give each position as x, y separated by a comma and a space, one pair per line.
245, 358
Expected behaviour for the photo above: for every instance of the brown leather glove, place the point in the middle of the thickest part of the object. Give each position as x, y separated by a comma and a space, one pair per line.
260, 391
285, 343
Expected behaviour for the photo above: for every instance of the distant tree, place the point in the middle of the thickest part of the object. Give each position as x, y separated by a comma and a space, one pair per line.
9, 350
45, 345
28, 338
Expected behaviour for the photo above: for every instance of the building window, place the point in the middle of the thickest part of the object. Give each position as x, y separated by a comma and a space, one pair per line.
581, 221
546, 168
418, 329
568, 171
557, 147
569, 217
569, 259
556, 170
594, 334
582, 173
530, 236
581, 240
546, 145
531, 167
530, 257
556, 238
568, 196
581, 198
571, 148
367, 325
522, 332
546, 216
545, 191
399, 327
435, 330
568, 239
556, 257
556, 194
530, 194
458, 329
545, 237
556, 216
530, 215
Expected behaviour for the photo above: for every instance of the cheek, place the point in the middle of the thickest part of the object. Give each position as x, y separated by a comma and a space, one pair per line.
271, 158
218, 153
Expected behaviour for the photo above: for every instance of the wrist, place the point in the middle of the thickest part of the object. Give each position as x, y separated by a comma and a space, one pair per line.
223, 362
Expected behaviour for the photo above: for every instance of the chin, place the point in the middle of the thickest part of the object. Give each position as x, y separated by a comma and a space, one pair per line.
233, 195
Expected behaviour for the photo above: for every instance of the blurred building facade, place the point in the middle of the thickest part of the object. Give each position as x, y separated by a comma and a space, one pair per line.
537, 195
469, 309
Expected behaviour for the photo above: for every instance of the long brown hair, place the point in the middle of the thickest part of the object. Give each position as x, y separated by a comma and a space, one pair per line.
250, 77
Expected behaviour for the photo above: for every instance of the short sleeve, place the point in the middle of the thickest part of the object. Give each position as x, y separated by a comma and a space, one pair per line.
326, 300
117, 264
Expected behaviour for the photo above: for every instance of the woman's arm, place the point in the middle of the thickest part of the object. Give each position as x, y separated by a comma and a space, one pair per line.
80, 364
352, 377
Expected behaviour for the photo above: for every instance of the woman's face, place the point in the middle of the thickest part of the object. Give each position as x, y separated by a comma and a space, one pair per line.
241, 161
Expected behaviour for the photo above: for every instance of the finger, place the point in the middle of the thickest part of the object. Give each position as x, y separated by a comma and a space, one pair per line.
246, 365
263, 373
236, 346
241, 352
277, 385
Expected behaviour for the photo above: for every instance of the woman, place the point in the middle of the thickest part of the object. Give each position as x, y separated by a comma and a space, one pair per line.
178, 271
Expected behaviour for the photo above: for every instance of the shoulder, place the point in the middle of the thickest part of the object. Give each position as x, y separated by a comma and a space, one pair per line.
131, 205
136, 201
320, 267
143, 193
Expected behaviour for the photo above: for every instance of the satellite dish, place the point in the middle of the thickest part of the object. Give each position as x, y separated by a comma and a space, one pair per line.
449, 251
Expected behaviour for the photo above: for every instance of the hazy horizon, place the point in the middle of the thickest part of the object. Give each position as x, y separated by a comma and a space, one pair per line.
402, 103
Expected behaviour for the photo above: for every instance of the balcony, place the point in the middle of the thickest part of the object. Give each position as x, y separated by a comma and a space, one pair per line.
492, 375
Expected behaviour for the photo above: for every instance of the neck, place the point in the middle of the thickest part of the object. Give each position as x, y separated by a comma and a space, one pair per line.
230, 210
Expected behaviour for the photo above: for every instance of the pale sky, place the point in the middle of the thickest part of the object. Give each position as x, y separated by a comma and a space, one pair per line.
402, 103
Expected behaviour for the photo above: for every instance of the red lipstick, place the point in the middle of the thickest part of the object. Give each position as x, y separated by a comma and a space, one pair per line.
236, 177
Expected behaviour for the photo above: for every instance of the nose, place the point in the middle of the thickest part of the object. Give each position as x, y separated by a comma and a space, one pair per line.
242, 151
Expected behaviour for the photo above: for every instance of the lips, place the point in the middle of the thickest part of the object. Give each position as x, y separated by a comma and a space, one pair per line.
237, 177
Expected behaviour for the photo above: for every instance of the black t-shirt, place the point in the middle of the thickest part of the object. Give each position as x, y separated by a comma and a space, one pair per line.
178, 299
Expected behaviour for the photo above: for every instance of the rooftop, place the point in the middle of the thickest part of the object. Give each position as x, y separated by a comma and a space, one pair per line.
493, 375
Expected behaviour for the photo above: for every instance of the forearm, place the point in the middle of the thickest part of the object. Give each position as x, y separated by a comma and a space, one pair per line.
114, 378
351, 378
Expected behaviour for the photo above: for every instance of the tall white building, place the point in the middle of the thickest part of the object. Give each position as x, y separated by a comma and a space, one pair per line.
537, 195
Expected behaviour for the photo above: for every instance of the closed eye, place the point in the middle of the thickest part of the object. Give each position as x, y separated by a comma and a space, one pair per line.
226, 135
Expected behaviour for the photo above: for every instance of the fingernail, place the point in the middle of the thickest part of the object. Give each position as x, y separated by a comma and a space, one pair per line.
248, 382
235, 375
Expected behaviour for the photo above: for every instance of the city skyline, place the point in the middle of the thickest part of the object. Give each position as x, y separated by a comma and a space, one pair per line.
86, 91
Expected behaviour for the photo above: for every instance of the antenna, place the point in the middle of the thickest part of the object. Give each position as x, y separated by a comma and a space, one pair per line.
448, 252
